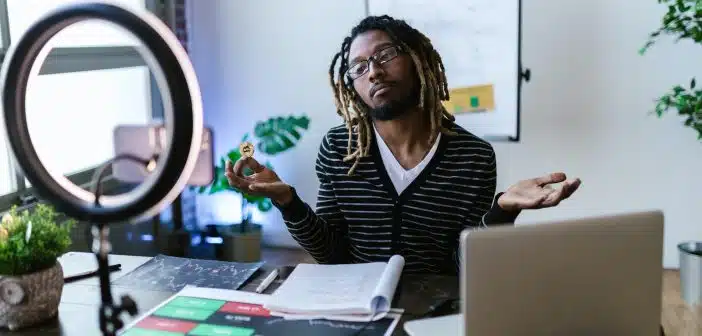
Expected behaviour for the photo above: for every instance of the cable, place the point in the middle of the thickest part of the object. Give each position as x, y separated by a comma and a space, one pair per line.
110, 312
179, 88
100, 171
176, 80
99, 174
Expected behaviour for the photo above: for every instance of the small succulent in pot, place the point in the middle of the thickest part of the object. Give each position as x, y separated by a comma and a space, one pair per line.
31, 278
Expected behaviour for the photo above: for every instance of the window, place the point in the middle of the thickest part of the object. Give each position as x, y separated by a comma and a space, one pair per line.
88, 105
92, 81
6, 177
23, 13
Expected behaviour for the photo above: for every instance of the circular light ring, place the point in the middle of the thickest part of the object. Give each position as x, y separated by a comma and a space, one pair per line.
182, 109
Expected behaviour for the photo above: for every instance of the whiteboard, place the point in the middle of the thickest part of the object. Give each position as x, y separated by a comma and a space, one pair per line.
479, 44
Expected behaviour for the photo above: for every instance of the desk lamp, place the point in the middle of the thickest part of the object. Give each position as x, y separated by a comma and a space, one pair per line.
183, 120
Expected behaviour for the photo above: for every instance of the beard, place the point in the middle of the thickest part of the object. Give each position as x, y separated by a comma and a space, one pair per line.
395, 108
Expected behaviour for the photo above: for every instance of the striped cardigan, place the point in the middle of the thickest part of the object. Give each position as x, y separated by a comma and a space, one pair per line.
361, 218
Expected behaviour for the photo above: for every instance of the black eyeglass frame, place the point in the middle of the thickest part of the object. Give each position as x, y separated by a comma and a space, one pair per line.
373, 58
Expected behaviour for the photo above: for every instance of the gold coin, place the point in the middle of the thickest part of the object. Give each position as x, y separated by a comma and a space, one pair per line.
246, 149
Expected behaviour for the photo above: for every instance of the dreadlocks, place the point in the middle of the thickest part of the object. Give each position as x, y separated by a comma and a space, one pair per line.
429, 70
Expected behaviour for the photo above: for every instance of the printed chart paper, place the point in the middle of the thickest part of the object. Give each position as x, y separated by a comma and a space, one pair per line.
196, 311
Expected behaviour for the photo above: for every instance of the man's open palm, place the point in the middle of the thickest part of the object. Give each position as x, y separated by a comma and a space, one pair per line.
263, 182
538, 193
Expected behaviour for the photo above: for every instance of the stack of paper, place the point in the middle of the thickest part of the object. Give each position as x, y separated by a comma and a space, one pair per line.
350, 292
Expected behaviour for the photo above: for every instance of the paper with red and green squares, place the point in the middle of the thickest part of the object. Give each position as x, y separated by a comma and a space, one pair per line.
207, 311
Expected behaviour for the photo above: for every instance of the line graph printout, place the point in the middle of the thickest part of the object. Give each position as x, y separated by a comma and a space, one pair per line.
478, 41
171, 274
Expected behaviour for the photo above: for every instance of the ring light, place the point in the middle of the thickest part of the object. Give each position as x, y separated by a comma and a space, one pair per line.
182, 111
183, 124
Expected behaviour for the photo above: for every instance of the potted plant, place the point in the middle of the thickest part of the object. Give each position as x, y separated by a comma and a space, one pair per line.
683, 20
242, 241
31, 278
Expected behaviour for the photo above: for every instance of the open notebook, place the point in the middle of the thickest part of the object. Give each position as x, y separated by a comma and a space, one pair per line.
354, 292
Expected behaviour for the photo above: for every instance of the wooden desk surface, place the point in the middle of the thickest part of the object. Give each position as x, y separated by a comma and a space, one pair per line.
78, 313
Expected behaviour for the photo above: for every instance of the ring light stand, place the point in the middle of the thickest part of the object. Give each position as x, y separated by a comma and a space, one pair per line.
183, 121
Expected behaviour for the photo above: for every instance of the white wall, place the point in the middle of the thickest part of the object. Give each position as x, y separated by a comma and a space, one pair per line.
255, 59
585, 110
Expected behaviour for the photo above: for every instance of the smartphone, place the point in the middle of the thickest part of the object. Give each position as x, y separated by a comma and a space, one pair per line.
148, 141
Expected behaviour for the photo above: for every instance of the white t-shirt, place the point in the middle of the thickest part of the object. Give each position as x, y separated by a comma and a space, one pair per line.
401, 177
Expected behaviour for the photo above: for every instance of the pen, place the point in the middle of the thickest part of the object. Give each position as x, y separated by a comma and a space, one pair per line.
267, 281
88, 274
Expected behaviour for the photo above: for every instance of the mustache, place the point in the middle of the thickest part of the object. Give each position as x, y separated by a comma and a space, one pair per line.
379, 86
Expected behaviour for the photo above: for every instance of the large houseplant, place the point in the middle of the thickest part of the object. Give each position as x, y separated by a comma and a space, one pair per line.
270, 137
683, 21
31, 278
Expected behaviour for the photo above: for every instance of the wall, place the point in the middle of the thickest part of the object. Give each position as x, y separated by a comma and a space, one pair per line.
584, 112
256, 60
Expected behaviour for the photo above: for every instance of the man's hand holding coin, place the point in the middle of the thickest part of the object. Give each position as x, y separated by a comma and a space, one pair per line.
262, 182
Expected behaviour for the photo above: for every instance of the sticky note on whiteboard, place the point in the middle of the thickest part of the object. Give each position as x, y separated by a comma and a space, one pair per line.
471, 99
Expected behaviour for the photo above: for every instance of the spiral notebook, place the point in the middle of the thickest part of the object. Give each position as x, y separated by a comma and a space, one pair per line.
351, 292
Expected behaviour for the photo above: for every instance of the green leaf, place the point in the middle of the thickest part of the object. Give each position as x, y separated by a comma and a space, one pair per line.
234, 155
253, 199
279, 134
268, 165
220, 183
275, 135
682, 103
671, 11
50, 237
687, 102
682, 20
682, 7
265, 205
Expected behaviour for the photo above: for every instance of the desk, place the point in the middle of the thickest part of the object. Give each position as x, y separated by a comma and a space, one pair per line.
78, 313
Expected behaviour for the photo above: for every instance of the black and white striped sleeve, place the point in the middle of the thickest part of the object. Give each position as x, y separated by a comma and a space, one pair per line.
321, 232
493, 214
486, 207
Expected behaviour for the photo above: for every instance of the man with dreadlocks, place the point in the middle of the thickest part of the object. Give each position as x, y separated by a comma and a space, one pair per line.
399, 176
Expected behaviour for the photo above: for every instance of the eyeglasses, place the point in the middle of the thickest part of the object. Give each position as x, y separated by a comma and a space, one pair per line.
382, 56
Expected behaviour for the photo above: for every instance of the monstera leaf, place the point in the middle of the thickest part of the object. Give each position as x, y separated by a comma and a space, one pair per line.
279, 134
220, 184
272, 136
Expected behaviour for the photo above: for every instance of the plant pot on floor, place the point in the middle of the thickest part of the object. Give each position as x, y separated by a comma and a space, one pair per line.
691, 272
240, 243
29, 299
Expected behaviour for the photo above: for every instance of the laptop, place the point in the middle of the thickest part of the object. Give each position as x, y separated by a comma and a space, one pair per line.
590, 276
